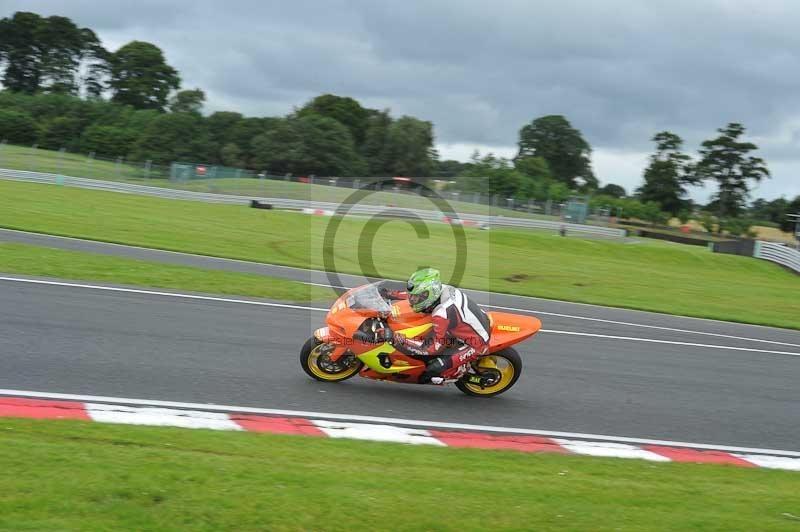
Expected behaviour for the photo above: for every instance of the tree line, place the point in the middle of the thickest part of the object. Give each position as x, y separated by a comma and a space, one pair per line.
553, 162
63, 89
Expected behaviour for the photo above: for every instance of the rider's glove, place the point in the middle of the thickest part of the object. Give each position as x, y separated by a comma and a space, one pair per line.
397, 339
384, 334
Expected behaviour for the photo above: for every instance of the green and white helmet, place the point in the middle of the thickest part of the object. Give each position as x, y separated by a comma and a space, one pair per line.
424, 289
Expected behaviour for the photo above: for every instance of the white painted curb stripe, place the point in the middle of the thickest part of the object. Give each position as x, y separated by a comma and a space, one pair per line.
385, 433
162, 417
771, 462
392, 421
608, 449
196, 419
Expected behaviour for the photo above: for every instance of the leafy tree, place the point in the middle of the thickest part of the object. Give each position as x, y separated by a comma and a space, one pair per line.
449, 169
738, 226
46, 53
725, 160
60, 132
311, 144
187, 101
64, 46
141, 77
221, 124
769, 211
491, 175
409, 147
792, 207
17, 127
20, 52
652, 212
343, 109
98, 67
615, 191
667, 173
684, 215
174, 137
107, 141
375, 146
533, 167
708, 221
558, 192
243, 133
231, 155
563, 147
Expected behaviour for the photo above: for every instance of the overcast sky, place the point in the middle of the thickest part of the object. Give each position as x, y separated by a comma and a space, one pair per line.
619, 70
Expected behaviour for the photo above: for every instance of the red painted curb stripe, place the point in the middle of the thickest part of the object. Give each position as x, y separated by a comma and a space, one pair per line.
479, 440
42, 409
679, 454
277, 425
50, 409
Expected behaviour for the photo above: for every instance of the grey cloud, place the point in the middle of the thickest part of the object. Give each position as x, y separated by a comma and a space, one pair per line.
620, 69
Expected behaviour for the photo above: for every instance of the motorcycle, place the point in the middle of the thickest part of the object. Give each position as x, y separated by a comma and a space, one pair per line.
349, 344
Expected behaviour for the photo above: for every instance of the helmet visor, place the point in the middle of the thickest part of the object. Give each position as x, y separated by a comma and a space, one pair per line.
417, 299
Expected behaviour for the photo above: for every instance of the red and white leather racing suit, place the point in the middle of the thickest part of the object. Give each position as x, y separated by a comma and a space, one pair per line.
460, 335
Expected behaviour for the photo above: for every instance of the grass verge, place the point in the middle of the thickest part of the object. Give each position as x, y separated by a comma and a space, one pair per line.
49, 262
71, 475
656, 276
76, 165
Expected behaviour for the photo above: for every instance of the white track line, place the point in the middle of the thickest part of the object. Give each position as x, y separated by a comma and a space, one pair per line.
390, 420
672, 342
615, 322
317, 309
157, 293
659, 327
570, 316
322, 272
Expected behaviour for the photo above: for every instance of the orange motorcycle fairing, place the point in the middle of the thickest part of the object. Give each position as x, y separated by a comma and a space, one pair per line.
355, 316
509, 329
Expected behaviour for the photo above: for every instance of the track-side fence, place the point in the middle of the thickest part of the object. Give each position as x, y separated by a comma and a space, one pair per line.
783, 255
295, 204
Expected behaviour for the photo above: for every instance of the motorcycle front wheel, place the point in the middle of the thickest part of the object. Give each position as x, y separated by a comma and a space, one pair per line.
317, 364
495, 373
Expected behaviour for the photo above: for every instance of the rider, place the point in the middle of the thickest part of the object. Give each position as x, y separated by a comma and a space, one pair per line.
460, 327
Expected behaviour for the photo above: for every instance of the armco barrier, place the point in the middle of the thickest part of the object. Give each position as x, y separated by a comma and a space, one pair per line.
783, 255
294, 204
743, 247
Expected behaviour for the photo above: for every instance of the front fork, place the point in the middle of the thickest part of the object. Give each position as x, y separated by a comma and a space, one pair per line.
324, 336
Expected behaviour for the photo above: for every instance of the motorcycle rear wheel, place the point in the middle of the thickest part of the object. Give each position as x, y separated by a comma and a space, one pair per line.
317, 365
506, 364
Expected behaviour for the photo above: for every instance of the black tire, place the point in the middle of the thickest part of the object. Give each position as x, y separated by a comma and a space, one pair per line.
513, 358
306, 356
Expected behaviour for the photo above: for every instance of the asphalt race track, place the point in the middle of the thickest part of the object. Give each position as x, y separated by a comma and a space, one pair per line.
592, 370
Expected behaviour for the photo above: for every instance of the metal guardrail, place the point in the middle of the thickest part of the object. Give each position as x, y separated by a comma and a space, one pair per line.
783, 255
294, 204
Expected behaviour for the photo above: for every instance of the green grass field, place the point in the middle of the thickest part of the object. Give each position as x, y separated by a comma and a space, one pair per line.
657, 276
49, 262
71, 475
24, 158
73, 164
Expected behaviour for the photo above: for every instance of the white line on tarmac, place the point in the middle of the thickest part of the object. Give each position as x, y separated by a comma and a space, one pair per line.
157, 293
659, 327
317, 309
615, 322
672, 342
389, 420
48, 235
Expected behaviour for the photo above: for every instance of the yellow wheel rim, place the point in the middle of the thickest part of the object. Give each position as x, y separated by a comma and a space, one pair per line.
313, 365
501, 364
